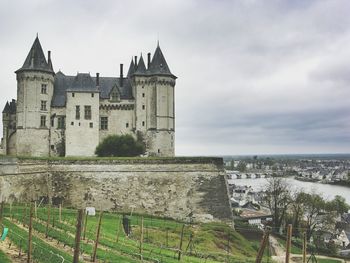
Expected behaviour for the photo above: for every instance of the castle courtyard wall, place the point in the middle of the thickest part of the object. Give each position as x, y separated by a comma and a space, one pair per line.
171, 187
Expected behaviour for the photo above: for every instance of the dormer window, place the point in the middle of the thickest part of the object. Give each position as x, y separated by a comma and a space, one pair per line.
114, 95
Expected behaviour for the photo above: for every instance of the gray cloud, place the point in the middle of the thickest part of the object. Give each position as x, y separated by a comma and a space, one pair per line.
254, 76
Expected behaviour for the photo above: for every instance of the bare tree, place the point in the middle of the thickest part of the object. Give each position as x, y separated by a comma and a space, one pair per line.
278, 198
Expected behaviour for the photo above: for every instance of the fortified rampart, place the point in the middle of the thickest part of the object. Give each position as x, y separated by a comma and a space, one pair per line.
171, 187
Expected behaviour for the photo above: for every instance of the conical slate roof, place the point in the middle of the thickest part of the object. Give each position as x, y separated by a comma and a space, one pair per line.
36, 59
158, 64
6, 108
132, 69
141, 68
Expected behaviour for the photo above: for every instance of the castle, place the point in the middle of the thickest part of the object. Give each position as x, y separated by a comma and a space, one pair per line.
60, 115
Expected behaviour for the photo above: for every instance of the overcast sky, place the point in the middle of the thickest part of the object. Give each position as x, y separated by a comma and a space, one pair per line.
254, 76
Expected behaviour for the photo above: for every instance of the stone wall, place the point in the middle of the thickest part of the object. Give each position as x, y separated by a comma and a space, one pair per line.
171, 187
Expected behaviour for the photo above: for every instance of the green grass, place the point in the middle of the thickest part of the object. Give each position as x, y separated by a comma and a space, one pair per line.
210, 242
322, 260
4, 258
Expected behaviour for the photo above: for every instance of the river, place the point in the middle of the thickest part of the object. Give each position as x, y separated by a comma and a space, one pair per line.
328, 191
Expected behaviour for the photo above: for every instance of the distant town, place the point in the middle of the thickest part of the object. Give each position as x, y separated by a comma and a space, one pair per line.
254, 181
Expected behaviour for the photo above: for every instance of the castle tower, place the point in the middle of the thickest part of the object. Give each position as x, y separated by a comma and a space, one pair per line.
34, 93
154, 104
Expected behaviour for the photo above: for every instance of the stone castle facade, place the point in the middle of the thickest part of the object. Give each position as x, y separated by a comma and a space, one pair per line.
60, 115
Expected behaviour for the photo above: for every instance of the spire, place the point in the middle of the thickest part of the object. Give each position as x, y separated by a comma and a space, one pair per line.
6, 108
36, 59
141, 68
158, 64
132, 69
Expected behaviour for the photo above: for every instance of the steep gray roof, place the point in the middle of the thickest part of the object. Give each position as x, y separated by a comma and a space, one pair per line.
6, 108
36, 59
158, 64
77, 83
13, 107
83, 82
131, 68
141, 68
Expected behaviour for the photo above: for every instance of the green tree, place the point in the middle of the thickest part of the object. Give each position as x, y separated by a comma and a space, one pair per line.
278, 199
120, 145
338, 205
314, 212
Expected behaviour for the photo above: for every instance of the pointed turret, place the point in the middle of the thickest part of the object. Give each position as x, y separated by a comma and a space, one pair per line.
132, 69
158, 64
6, 108
36, 59
141, 68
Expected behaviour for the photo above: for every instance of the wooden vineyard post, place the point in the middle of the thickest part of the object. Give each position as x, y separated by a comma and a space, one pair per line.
304, 247
85, 223
167, 237
35, 209
24, 215
118, 229
263, 243
97, 237
141, 238
11, 211
48, 221
181, 240
1, 214
60, 213
289, 242
30, 233
77, 236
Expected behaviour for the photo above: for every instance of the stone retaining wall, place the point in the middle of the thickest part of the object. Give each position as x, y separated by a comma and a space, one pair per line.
171, 187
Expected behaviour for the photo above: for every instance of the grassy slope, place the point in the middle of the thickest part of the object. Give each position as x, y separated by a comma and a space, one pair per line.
4, 258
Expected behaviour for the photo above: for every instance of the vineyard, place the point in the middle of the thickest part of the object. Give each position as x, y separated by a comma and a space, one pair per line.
103, 237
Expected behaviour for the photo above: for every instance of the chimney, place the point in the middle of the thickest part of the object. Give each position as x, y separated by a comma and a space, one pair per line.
135, 61
121, 75
97, 79
148, 60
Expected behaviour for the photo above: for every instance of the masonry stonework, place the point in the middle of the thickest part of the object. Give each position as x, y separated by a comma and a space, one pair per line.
60, 115
174, 187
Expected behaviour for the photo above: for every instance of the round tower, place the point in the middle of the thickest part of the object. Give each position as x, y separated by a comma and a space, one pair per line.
35, 81
154, 104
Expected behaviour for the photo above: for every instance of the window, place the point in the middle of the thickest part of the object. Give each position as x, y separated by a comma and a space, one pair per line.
143, 107
158, 150
127, 125
42, 121
77, 112
61, 122
52, 147
104, 123
114, 96
91, 125
87, 112
43, 89
92, 95
52, 122
143, 123
143, 95
72, 123
73, 94
43, 105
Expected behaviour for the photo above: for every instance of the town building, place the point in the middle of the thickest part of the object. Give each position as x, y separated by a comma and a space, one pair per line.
60, 115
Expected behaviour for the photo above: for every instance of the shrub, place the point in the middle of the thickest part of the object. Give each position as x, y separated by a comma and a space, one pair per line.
120, 145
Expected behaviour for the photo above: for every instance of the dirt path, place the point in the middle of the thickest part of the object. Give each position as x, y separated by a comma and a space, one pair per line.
12, 252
